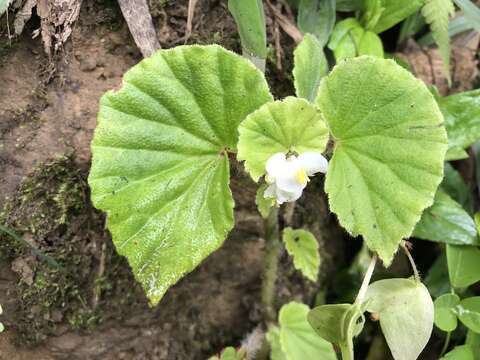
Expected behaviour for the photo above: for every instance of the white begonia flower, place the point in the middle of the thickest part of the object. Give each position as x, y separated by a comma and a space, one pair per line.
287, 177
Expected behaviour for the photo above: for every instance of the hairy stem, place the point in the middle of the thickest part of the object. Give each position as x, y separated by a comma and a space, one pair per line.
272, 252
366, 280
416, 275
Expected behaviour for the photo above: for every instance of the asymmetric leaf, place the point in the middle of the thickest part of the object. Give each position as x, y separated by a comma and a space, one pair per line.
289, 125
405, 310
310, 67
303, 247
446, 221
389, 149
160, 168
463, 265
445, 316
298, 340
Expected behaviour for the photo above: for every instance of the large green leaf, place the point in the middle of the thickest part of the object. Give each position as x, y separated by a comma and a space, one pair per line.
317, 17
463, 265
250, 19
463, 352
445, 315
405, 310
394, 12
310, 67
160, 167
389, 150
297, 338
446, 221
289, 125
469, 313
462, 118
303, 247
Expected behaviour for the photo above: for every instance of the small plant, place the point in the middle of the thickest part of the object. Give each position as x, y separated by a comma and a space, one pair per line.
164, 142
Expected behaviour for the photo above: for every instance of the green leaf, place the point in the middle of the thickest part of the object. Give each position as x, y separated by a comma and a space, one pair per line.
370, 44
310, 67
454, 185
389, 150
456, 153
437, 280
273, 338
230, 353
160, 168
336, 323
412, 25
445, 315
263, 204
471, 12
345, 40
317, 17
394, 12
469, 313
289, 125
349, 5
372, 11
463, 352
446, 221
342, 28
303, 247
437, 14
473, 339
463, 265
462, 118
405, 310
250, 19
298, 340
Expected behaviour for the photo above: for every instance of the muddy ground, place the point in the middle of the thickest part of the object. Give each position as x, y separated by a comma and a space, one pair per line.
75, 298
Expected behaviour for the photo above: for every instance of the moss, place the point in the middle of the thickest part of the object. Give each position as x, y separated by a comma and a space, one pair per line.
52, 212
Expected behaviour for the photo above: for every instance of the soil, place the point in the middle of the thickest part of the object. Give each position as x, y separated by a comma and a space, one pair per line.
65, 292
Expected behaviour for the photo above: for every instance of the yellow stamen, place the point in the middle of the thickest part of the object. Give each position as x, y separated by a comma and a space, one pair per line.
301, 177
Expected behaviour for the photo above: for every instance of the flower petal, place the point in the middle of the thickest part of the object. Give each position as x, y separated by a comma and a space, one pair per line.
287, 196
288, 179
270, 191
313, 162
275, 164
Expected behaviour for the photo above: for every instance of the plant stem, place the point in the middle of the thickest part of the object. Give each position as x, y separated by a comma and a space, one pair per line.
272, 252
366, 280
445, 344
347, 350
416, 275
